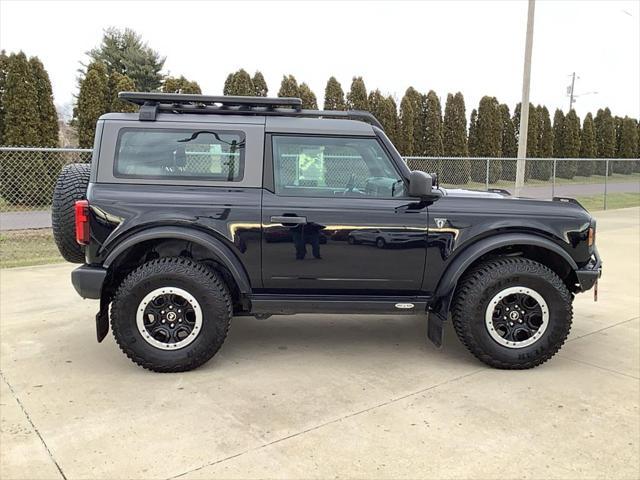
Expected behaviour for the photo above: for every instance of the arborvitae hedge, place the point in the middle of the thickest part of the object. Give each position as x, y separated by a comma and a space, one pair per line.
93, 101
289, 87
433, 125
357, 97
488, 141
509, 144
260, 88
334, 95
407, 123
455, 140
570, 146
308, 98
587, 146
180, 85
543, 169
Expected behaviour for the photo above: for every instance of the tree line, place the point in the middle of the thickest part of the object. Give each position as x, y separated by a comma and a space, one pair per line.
418, 126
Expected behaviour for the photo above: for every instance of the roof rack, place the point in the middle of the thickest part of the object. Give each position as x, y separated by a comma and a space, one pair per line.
151, 103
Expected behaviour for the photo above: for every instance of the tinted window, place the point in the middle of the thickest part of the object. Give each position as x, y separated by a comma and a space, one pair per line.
334, 166
186, 154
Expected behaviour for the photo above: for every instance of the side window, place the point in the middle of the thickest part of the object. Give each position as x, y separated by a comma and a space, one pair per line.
185, 154
334, 166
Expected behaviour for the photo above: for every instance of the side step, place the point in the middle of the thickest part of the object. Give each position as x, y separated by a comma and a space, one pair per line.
271, 304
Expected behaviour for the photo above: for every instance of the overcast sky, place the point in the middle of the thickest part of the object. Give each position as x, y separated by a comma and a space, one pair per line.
475, 47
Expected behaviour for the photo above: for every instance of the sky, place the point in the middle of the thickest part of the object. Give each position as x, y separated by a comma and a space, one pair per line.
476, 47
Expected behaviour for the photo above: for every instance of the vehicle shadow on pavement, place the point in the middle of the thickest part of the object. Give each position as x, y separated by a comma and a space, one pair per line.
332, 336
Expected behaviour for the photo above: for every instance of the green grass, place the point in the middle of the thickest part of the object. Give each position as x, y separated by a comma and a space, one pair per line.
23, 248
614, 200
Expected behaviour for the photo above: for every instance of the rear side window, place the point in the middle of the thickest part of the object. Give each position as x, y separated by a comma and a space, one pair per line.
180, 154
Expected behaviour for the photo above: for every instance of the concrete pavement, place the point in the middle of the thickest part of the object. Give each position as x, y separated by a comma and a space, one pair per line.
317, 397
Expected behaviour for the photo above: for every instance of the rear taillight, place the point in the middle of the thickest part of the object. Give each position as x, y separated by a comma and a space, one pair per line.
82, 222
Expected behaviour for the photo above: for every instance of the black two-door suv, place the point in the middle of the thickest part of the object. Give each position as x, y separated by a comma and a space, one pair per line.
197, 209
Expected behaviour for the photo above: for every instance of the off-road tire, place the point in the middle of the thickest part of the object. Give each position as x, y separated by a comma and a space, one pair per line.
478, 287
200, 281
71, 185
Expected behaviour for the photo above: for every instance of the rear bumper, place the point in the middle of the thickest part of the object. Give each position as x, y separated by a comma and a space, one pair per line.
88, 281
590, 273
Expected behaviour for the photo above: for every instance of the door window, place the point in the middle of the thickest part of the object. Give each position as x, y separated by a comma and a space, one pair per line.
334, 166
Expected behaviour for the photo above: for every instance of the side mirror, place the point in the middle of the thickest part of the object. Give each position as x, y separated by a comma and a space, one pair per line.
420, 184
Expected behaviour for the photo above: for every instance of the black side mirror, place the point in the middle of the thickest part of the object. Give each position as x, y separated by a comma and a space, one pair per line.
420, 184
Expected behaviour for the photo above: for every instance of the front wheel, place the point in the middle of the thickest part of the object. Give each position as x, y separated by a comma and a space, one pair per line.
171, 314
512, 313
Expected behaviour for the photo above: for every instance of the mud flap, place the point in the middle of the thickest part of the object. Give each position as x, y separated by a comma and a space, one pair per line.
102, 321
435, 331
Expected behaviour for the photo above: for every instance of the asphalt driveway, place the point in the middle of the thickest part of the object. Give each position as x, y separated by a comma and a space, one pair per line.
316, 397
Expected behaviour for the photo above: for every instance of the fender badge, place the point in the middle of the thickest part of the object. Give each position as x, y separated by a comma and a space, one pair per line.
405, 306
441, 222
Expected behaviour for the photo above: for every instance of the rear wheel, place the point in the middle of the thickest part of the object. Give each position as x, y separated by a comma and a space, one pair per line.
171, 314
512, 313
71, 185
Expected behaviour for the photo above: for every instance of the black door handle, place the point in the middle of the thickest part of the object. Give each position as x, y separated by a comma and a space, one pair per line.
289, 220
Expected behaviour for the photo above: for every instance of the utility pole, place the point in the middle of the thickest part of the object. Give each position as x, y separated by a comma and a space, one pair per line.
524, 110
573, 83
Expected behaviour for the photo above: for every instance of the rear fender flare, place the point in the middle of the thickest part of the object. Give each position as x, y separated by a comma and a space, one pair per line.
222, 252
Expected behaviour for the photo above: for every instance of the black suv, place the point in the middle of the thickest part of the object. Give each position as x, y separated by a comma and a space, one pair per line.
197, 209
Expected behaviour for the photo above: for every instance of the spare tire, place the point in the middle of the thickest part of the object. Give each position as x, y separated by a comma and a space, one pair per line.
70, 186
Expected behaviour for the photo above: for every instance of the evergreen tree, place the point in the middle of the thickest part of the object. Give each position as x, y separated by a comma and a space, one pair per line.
488, 142
558, 128
587, 147
357, 96
123, 51
418, 106
180, 85
4, 66
121, 83
241, 84
407, 123
617, 124
48, 117
20, 184
260, 88
227, 84
636, 167
628, 145
376, 104
333, 95
605, 138
390, 121
455, 140
433, 125
93, 101
289, 87
308, 98
509, 144
21, 116
542, 169
533, 130
570, 146
473, 134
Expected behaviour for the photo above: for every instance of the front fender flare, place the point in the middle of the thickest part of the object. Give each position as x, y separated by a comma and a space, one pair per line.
465, 258
223, 253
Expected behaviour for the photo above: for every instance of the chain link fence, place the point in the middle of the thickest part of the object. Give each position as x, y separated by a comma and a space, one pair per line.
28, 175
